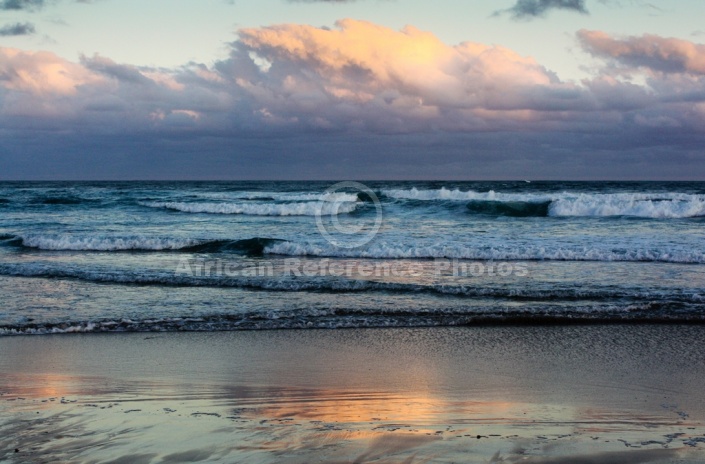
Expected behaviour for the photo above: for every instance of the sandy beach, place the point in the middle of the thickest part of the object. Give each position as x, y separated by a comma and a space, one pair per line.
580, 394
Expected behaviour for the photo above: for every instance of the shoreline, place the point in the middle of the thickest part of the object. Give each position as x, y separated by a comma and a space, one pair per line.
94, 327
597, 393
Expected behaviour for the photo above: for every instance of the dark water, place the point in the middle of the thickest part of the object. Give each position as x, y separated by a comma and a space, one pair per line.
249, 255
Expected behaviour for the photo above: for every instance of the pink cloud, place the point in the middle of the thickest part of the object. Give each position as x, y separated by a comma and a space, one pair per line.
359, 59
648, 51
360, 72
42, 73
356, 77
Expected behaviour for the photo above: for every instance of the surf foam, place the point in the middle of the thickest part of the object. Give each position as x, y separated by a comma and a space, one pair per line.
311, 208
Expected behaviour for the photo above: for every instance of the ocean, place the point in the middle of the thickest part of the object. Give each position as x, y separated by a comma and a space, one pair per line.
210, 256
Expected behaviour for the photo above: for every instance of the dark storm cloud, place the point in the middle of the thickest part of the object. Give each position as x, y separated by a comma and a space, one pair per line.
16, 29
29, 5
527, 9
506, 155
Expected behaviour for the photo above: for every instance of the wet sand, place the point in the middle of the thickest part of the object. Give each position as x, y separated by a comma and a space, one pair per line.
579, 394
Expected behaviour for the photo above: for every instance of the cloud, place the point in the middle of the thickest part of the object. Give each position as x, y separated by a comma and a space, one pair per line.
29, 5
357, 77
368, 76
528, 9
42, 74
653, 52
325, 94
17, 29
671, 96
107, 67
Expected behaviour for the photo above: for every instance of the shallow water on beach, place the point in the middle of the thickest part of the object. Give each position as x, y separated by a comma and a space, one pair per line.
604, 394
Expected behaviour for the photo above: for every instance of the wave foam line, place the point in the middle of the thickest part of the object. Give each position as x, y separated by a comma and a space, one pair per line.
261, 245
671, 205
312, 208
287, 196
656, 207
64, 242
290, 284
366, 318
460, 195
454, 251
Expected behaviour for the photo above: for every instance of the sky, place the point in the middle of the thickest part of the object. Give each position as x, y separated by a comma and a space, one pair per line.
356, 89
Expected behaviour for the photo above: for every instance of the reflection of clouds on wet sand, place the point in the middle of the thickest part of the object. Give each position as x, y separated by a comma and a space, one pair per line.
157, 422
487, 395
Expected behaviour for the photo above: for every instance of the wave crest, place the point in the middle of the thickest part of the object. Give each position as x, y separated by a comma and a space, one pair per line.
509, 208
564, 204
62, 242
312, 208
282, 196
458, 251
643, 206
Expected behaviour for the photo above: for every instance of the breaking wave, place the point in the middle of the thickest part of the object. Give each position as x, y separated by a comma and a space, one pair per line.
671, 206
457, 251
258, 246
63, 242
643, 205
311, 208
509, 208
294, 196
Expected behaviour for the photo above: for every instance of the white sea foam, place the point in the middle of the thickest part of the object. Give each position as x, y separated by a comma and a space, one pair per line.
286, 283
340, 318
459, 195
457, 251
100, 242
380, 249
282, 196
311, 208
646, 205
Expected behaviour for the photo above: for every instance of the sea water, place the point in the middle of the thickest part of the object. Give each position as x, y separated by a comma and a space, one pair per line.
166, 256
